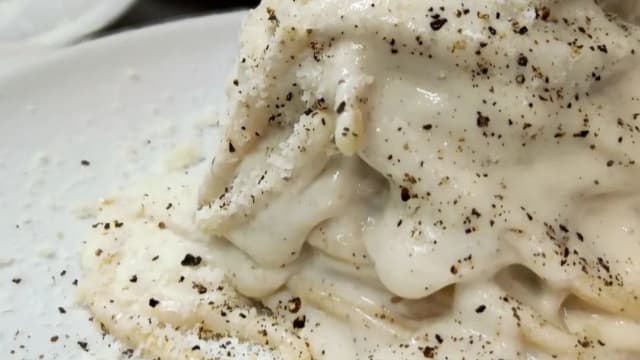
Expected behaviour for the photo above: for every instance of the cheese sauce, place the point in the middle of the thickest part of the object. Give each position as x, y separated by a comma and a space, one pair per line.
398, 180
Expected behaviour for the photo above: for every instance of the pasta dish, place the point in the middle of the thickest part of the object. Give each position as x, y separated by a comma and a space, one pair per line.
435, 179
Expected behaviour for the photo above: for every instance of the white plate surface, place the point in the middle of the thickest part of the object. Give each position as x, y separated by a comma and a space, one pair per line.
122, 103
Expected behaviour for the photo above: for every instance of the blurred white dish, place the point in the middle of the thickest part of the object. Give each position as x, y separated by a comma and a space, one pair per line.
55, 22
122, 103
32, 29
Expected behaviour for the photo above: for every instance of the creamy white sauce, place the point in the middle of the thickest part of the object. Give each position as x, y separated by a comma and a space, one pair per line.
399, 180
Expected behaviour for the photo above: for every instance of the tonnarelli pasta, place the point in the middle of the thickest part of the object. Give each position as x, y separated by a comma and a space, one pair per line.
398, 180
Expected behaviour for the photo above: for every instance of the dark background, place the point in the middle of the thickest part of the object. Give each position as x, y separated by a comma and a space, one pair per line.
148, 12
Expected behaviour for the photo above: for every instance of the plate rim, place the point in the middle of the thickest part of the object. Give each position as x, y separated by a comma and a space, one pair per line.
115, 40
96, 18
96, 15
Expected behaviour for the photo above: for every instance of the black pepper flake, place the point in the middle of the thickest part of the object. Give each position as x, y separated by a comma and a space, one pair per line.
601, 343
610, 163
514, 311
62, 310
54, 338
454, 269
272, 16
427, 127
482, 121
520, 79
195, 348
153, 302
340, 108
232, 148
603, 48
585, 343
523, 30
405, 195
289, 96
294, 305
83, 345
580, 236
543, 13
429, 352
201, 289
133, 279
480, 309
85, 163
16, 280
581, 134
492, 30
190, 260
299, 322
439, 339
603, 264
162, 225
438, 24
522, 60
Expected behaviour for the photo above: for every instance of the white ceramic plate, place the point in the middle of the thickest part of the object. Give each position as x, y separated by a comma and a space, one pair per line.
121, 103
33, 29
55, 22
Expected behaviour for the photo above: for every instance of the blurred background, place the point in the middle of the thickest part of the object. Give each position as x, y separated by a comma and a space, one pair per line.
146, 12
32, 29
